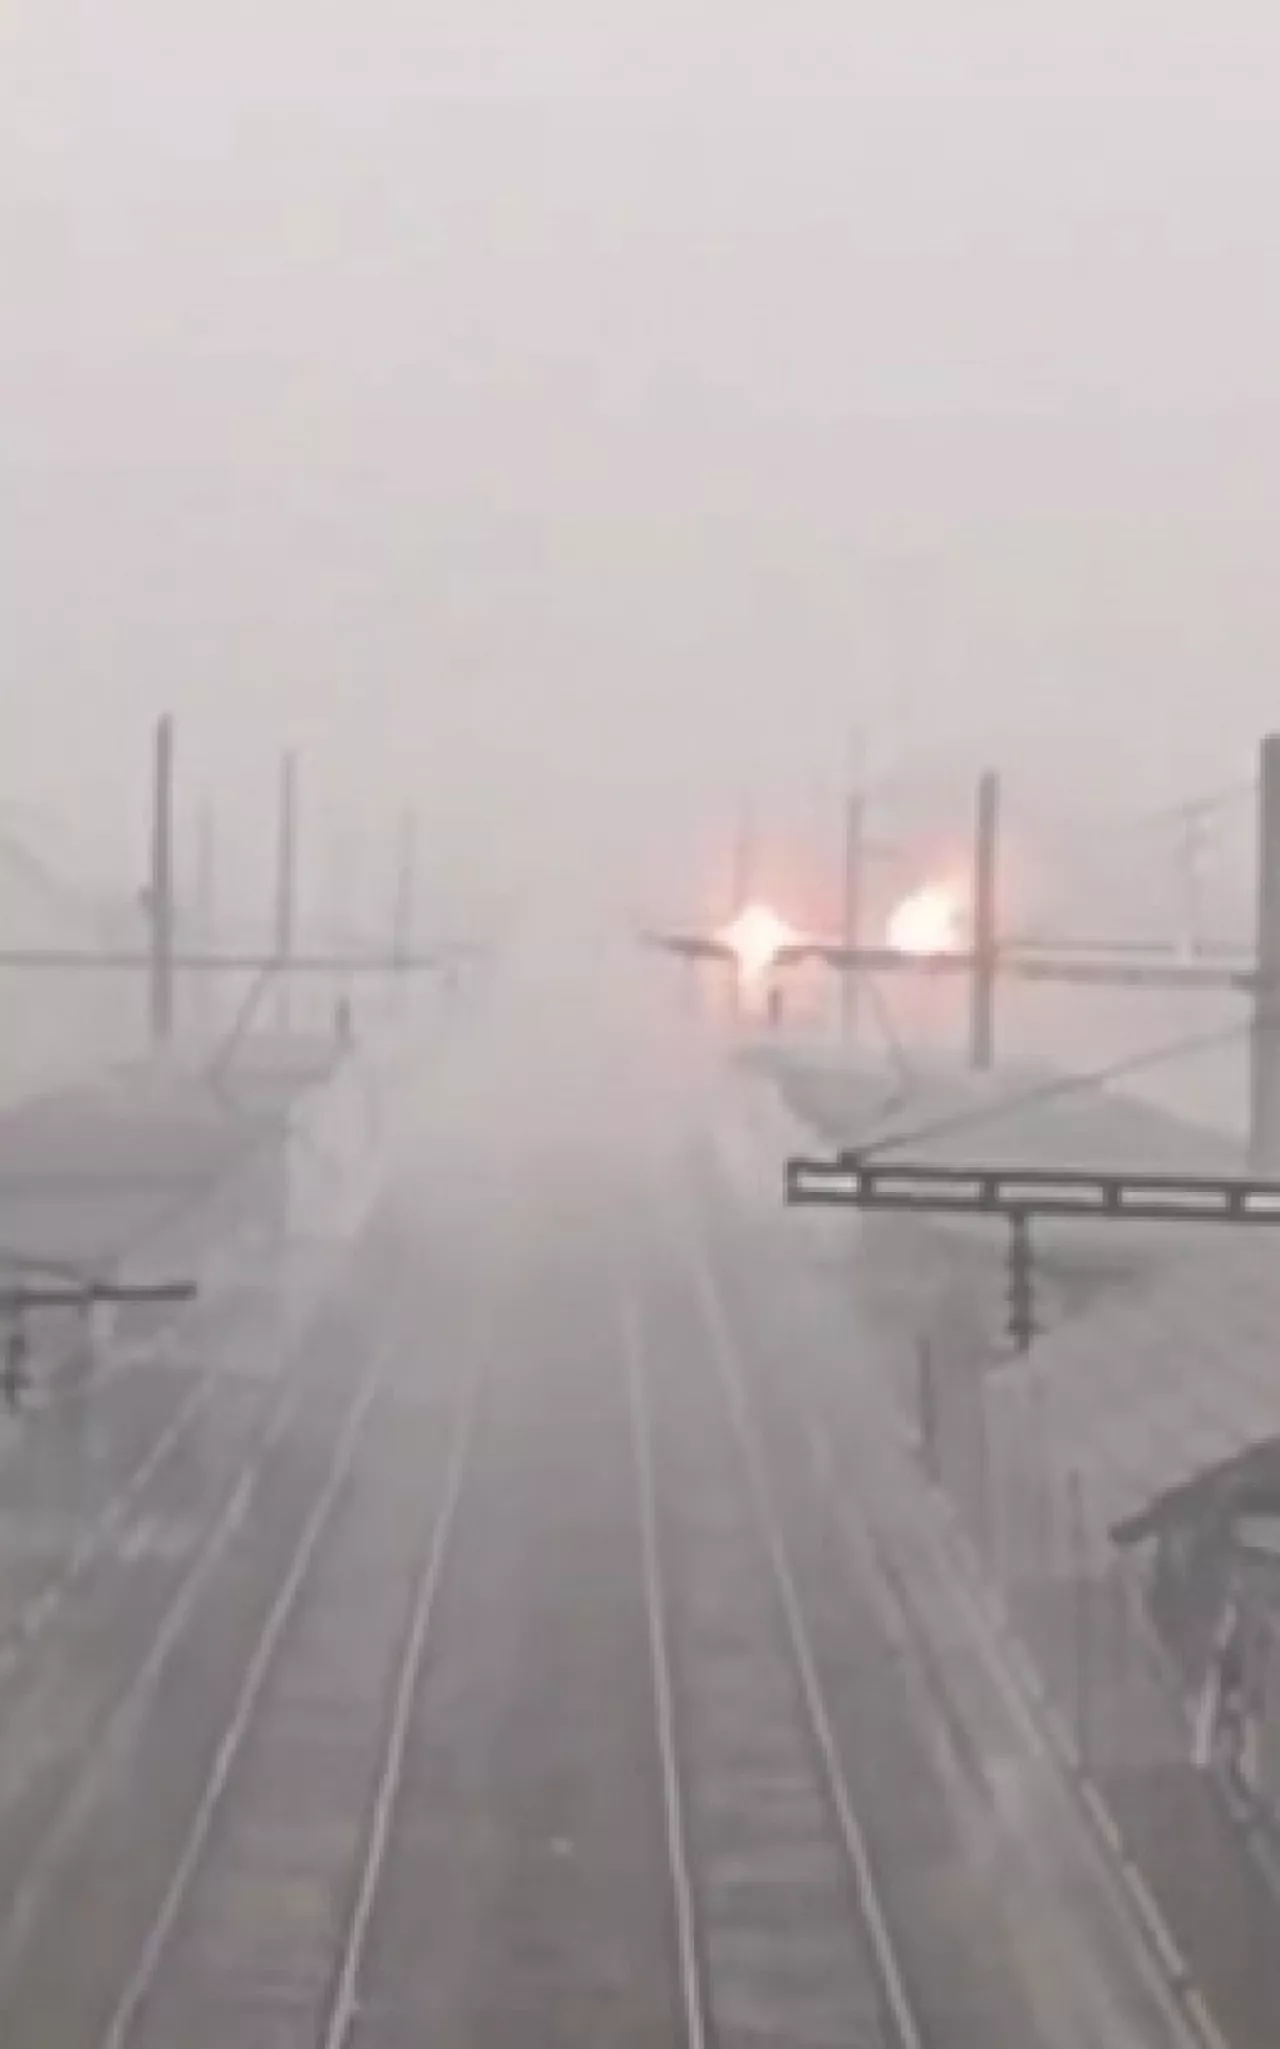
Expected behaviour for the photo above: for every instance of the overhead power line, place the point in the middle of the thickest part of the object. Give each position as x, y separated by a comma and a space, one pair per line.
1210, 807
1061, 1087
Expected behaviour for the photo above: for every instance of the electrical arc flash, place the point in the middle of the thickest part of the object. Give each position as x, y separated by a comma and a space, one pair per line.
756, 937
927, 922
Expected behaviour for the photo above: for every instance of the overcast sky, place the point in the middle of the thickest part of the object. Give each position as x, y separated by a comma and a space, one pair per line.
566, 414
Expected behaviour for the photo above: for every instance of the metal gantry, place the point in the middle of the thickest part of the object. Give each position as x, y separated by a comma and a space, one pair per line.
1020, 1195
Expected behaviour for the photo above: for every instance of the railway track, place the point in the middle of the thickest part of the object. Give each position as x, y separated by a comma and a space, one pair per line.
1015, 1920
780, 1929
508, 1689
513, 1884
143, 1414
88, 1589
157, 1641
323, 1890
249, 1846
279, 1868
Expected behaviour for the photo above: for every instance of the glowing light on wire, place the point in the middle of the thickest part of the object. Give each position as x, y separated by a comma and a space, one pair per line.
756, 936
929, 921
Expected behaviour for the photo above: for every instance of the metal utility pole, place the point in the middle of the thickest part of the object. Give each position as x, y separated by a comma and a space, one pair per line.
286, 881
1264, 1038
851, 910
160, 893
982, 1018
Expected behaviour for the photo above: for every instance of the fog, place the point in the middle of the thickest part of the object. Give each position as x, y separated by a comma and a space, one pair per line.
565, 418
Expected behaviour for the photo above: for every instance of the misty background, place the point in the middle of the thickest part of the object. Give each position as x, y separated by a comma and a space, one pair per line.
565, 418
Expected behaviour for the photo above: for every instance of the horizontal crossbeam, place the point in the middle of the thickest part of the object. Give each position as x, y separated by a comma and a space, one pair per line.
83, 1294
1070, 970
1066, 968
849, 1182
133, 958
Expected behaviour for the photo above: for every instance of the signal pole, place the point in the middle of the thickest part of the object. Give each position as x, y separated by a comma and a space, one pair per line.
160, 893
982, 1017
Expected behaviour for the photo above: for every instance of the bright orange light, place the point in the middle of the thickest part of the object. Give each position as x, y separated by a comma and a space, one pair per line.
756, 936
926, 923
